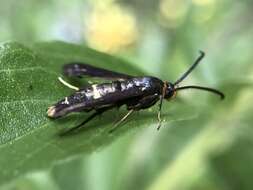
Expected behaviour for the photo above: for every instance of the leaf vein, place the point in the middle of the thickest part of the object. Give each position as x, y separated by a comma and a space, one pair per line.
26, 69
26, 101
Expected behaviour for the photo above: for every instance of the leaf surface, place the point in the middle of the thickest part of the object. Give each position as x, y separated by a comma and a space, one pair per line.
29, 140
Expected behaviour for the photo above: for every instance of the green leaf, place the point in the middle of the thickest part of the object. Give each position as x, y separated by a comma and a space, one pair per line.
29, 85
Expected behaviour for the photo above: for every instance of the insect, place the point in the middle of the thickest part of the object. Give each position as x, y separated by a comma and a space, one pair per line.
136, 92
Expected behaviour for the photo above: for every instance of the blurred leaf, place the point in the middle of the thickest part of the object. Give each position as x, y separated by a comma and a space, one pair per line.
233, 166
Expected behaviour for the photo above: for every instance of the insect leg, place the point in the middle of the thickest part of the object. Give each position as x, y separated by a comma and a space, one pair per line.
143, 103
98, 112
147, 102
67, 84
160, 105
159, 113
122, 120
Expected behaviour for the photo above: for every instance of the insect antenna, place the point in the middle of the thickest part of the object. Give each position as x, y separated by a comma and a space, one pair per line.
212, 90
202, 54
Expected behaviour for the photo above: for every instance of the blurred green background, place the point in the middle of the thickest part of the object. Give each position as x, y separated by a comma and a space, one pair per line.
210, 150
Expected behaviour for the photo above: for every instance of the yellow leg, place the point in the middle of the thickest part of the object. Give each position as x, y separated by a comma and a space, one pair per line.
159, 113
122, 120
159, 120
67, 84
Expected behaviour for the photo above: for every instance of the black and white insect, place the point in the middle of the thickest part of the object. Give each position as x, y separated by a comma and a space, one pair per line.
136, 92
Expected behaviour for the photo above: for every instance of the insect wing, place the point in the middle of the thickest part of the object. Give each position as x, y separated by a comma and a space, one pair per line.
81, 69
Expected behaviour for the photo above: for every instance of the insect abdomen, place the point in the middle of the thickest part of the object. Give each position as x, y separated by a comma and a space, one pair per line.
86, 99
97, 96
73, 103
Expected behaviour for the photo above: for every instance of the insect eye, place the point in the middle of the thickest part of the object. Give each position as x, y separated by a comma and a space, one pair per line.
170, 91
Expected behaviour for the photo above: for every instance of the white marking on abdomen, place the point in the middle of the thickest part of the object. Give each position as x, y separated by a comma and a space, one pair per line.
96, 93
66, 101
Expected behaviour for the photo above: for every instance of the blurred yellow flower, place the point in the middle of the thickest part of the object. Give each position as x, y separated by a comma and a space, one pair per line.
205, 10
110, 28
203, 2
173, 12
